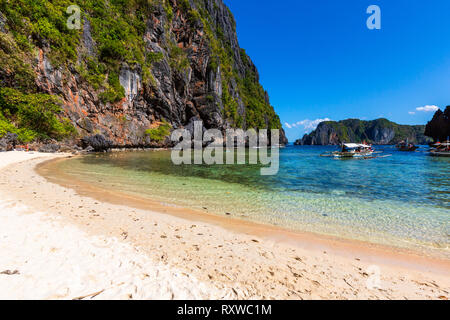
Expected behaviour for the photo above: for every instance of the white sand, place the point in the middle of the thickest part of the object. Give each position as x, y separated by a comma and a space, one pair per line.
64, 245
43, 259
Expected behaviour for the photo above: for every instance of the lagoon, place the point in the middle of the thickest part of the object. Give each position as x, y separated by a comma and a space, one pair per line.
402, 200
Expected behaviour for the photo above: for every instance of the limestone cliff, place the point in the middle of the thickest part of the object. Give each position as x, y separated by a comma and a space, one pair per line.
439, 127
134, 66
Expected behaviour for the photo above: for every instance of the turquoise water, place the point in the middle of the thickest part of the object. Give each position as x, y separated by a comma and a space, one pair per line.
402, 200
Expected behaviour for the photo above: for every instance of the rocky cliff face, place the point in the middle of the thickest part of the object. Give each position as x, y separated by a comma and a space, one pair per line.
380, 131
439, 127
186, 64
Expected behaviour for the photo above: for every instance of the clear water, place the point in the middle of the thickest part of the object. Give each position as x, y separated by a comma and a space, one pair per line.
402, 200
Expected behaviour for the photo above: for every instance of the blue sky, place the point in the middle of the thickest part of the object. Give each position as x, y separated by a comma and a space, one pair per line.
318, 60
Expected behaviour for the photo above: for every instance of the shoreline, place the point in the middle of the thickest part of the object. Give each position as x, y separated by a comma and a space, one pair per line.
42, 256
392, 255
255, 260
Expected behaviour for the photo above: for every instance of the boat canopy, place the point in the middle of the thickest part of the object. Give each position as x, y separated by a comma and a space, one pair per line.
355, 145
443, 144
351, 145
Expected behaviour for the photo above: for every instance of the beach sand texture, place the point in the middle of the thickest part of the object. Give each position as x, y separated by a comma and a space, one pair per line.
42, 258
58, 244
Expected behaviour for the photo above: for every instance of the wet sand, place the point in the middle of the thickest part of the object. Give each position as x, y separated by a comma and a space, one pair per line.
227, 257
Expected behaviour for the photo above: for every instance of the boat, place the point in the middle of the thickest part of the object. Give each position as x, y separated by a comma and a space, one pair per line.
354, 150
406, 146
441, 149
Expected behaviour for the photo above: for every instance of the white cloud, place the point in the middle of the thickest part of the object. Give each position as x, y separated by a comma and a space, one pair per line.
307, 125
428, 109
310, 125
412, 113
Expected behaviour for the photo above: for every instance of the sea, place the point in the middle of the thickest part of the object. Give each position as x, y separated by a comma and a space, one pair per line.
401, 199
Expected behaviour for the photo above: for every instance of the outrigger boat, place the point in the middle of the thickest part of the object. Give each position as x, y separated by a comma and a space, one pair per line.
354, 150
440, 149
406, 146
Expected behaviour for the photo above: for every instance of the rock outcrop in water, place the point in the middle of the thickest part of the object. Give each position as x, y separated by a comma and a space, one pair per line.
131, 68
439, 127
380, 131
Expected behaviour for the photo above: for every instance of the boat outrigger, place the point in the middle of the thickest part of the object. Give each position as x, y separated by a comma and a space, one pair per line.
440, 149
354, 150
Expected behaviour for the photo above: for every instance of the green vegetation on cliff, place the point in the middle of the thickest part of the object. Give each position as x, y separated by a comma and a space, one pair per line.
32, 116
159, 133
24, 111
117, 29
112, 34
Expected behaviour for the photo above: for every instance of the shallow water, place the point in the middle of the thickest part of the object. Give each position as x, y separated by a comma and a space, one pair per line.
402, 200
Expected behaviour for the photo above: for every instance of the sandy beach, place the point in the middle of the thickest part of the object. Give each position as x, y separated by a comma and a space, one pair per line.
64, 243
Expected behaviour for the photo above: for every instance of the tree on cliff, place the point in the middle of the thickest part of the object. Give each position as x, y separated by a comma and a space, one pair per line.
439, 127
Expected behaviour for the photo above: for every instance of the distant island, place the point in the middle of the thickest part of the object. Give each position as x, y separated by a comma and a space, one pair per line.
379, 132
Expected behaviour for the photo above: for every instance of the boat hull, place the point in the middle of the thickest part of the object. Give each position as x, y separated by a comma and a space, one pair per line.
407, 149
440, 154
349, 155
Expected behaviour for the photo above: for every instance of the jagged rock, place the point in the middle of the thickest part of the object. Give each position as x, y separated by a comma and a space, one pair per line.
131, 81
3, 145
49, 148
69, 147
88, 42
98, 143
12, 138
2, 23
9, 142
190, 127
439, 127
89, 149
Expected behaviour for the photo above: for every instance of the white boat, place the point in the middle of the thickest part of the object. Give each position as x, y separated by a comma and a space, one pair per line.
354, 150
